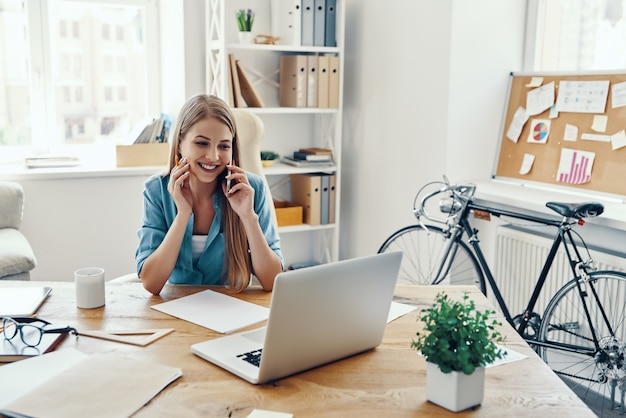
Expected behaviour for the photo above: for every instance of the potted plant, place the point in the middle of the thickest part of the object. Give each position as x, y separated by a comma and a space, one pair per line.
268, 157
457, 341
245, 20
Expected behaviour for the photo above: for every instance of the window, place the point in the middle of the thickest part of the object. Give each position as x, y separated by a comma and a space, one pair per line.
579, 35
62, 62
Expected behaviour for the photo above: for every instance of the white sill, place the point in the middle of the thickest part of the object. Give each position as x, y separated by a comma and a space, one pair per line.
16, 172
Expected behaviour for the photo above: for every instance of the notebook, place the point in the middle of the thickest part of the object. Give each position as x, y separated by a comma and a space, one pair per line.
317, 315
22, 301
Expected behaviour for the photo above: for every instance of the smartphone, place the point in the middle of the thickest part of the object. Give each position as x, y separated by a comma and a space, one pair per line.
228, 180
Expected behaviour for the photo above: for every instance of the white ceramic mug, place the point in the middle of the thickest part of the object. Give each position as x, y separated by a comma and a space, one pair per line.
89, 287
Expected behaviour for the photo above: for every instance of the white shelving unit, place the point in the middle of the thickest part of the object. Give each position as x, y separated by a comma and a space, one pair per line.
286, 129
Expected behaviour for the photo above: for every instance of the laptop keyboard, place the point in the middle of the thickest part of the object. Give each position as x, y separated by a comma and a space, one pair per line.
252, 357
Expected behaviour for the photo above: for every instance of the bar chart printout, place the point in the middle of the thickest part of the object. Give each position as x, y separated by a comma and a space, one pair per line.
575, 166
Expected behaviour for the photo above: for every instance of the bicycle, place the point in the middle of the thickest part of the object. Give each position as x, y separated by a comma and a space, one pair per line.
582, 333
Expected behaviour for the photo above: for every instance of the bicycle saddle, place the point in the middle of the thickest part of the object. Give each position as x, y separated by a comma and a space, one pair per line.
577, 210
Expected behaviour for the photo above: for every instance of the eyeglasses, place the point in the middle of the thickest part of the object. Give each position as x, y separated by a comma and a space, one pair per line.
30, 334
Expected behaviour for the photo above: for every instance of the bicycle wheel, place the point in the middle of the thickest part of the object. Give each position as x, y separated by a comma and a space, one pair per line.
597, 373
424, 253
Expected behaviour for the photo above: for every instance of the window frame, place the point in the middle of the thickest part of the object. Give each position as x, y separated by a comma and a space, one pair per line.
42, 97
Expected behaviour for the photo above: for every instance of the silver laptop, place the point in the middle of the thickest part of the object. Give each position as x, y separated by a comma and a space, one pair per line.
317, 315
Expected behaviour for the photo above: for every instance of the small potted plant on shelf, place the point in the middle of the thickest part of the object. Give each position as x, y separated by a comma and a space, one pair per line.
268, 158
457, 341
245, 20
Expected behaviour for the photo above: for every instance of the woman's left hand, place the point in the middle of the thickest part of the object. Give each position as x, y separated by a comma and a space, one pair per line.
241, 194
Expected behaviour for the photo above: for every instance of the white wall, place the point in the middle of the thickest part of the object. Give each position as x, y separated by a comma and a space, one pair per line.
425, 86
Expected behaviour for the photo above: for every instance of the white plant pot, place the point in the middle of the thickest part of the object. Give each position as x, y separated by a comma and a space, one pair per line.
455, 391
245, 37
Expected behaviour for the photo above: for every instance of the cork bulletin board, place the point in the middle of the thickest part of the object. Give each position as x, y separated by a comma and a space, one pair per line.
577, 142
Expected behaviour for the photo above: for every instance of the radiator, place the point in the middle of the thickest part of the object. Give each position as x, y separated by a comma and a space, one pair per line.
519, 259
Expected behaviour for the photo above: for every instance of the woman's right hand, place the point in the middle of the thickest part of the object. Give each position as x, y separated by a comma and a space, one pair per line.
179, 186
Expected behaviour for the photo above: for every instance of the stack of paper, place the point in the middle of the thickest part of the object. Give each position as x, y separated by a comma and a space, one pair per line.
68, 383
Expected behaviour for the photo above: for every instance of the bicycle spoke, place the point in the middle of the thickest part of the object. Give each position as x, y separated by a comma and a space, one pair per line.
569, 330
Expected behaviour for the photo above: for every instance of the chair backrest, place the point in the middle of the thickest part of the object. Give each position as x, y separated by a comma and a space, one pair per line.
250, 131
11, 204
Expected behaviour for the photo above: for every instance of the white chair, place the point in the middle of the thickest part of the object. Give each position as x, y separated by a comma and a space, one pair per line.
250, 131
16, 255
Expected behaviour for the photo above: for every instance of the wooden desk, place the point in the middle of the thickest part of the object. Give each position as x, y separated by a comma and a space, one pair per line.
387, 381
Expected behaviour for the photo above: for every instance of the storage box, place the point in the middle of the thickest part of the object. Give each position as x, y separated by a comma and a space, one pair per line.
288, 213
142, 154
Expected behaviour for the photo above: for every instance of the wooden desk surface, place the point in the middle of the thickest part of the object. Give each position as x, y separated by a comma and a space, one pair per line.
387, 381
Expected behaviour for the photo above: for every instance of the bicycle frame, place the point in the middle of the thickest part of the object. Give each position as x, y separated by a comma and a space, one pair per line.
563, 238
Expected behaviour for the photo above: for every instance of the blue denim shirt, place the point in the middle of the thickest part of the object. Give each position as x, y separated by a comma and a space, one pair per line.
159, 211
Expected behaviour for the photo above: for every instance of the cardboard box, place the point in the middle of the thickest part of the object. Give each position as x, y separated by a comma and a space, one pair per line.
288, 213
142, 154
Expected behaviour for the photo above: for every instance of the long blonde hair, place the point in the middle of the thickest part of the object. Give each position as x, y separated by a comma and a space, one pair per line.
237, 265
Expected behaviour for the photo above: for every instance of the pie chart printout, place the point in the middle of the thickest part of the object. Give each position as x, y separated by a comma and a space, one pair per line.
539, 131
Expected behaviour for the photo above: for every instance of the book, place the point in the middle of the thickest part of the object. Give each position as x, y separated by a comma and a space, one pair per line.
293, 81
325, 180
322, 81
248, 92
307, 26
297, 155
332, 198
330, 38
333, 82
311, 83
15, 349
237, 97
317, 151
306, 191
303, 163
22, 301
286, 21
319, 22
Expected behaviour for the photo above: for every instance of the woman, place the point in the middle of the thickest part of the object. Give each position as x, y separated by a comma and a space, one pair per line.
207, 221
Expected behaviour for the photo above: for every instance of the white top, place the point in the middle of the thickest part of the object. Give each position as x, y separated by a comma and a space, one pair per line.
198, 242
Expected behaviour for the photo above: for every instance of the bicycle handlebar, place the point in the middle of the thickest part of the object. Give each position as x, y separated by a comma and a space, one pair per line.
459, 196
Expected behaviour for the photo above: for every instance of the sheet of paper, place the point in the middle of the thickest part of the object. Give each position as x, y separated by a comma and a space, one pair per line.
517, 124
535, 82
596, 137
100, 385
263, 413
539, 131
17, 379
527, 164
399, 309
540, 99
618, 96
571, 132
618, 140
509, 357
216, 311
599, 123
582, 96
575, 166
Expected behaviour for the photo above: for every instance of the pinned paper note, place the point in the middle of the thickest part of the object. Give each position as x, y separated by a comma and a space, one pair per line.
582, 96
540, 99
599, 123
618, 140
571, 132
539, 131
535, 82
618, 95
517, 124
527, 164
575, 166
